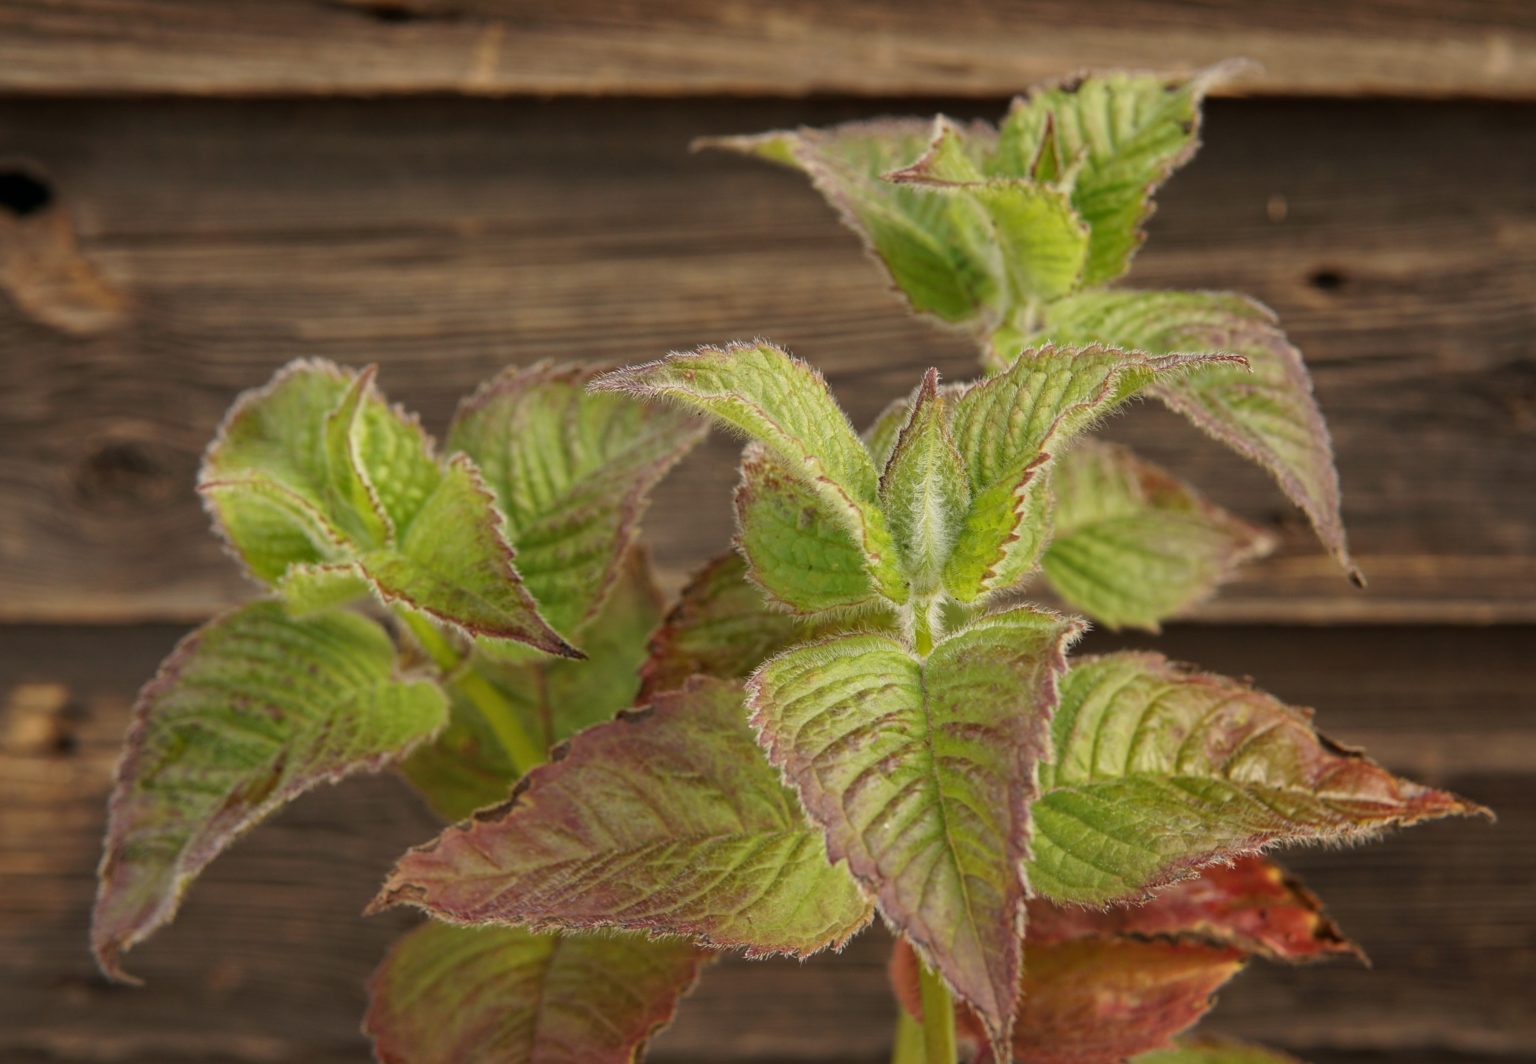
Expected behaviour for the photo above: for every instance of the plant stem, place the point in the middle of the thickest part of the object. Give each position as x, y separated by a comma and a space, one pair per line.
938, 1018
909, 1040
522, 750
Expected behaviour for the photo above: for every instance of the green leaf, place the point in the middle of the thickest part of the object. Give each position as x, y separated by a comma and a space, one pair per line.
1215, 1051
1110, 140
926, 242
449, 995
977, 225
317, 483
454, 565
571, 472
1269, 415
248, 712
924, 490
1035, 241
921, 773
667, 820
466, 768
1133, 545
1009, 428
801, 556
719, 627
266, 476
783, 404
1159, 770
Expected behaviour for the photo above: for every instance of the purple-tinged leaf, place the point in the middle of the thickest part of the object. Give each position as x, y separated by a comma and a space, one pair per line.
667, 820
1219, 768
921, 772
459, 995
719, 627
453, 564
1100, 986
249, 711
572, 472
1251, 905
1094, 1001
1268, 415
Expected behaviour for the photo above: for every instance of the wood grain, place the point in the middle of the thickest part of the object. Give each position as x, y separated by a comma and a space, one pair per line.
266, 961
751, 47
444, 239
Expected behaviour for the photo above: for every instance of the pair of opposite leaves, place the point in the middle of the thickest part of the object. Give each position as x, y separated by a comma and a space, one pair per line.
1013, 233
325, 493
919, 769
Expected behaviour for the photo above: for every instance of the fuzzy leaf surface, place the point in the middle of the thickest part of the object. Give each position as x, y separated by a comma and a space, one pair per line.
667, 820
476, 995
1251, 905
783, 404
927, 243
1100, 986
248, 712
924, 490
1133, 544
318, 484
466, 768
800, 555
1159, 770
453, 564
1110, 140
921, 773
1030, 232
1268, 415
571, 472
719, 627
1095, 1001
1009, 428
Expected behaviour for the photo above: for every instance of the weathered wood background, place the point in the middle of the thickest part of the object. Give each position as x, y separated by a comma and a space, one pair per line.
192, 193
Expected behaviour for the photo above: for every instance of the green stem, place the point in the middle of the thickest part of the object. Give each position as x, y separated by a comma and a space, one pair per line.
938, 1018
522, 750
909, 1040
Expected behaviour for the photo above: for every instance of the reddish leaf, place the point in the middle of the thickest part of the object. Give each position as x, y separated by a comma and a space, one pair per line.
666, 820
450, 995
1100, 986
720, 626
1095, 1001
1252, 905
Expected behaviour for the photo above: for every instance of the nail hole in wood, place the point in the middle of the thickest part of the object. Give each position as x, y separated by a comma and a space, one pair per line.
22, 193
1326, 280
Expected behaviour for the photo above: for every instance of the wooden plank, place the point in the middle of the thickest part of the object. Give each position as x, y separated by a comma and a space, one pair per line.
192, 247
689, 47
267, 959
